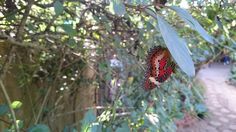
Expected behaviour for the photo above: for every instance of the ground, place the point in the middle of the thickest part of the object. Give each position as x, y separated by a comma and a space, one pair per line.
220, 98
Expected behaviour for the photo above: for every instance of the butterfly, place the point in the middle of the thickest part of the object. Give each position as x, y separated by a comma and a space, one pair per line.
159, 67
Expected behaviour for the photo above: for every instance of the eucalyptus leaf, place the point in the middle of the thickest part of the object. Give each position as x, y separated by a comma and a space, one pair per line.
58, 7
193, 23
117, 7
177, 47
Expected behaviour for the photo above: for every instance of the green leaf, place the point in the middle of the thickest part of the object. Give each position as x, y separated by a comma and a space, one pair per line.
102, 66
142, 2
117, 7
117, 40
16, 104
177, 47
219, 23
68, 28
3, 109
39, 128
96, 127
153, 119
107, 27
200, 108
20, 123
138, 2
58, 7
72, 43
193, 23
31, 26
89, 118
179, 115
69, 129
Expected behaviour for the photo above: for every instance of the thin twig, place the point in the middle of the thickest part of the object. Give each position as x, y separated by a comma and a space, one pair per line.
50, 89
9, 105
7, 122
20, 30
11, 40
89, 108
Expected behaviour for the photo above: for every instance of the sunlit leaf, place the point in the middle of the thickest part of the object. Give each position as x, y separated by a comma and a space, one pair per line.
177, 47
3, 109
117, 7
58, 7
39, 128
193, 23
152, 119
16, 104
20, 123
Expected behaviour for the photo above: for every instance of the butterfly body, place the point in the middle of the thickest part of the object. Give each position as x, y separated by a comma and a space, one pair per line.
159, 67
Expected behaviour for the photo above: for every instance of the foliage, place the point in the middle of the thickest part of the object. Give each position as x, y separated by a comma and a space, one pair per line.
39, 128
3, 109
232, 78
58, 51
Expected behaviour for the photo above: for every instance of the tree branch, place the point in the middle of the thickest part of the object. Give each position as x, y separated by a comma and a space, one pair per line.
20, 30
11, 40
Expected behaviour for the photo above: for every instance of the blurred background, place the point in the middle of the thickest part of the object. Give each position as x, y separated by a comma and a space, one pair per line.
79, 65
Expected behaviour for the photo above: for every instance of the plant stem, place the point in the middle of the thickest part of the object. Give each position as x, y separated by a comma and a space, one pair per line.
9, 105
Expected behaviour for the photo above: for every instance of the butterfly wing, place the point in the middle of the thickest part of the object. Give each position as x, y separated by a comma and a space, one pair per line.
157, 61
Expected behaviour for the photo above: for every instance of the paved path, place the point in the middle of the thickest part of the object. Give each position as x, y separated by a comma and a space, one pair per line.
220, 99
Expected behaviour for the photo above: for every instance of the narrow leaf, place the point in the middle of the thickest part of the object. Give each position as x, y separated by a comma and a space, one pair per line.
219, 23
193, 23
58, 7
117, 7
177, 47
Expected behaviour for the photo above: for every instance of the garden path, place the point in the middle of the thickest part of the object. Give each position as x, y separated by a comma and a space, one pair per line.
220, 99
